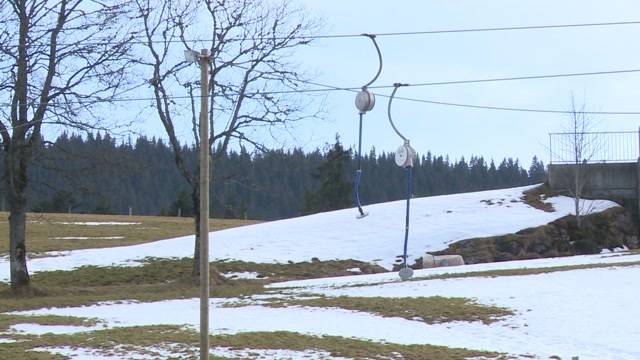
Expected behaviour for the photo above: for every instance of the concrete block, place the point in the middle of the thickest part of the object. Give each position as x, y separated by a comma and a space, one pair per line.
449, 260
430, 261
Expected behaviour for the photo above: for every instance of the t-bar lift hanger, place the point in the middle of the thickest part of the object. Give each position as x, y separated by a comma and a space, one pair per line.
405, 155
365, 101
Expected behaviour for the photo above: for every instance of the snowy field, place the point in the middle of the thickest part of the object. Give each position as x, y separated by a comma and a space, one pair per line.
436, 222
591, 313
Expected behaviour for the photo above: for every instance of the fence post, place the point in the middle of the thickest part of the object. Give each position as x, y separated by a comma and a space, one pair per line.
551, 150
638, 189
638, 179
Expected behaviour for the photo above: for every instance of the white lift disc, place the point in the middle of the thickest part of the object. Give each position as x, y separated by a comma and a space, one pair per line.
405, 273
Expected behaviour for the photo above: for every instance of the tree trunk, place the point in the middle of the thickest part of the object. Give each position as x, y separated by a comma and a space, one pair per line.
576, 198
16, 180
578, 215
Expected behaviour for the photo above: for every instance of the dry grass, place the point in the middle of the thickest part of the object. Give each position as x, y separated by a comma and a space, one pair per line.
431, 310
154, 281
116, 342
7, 320
536, 198
42, 229
525, 271
157, 279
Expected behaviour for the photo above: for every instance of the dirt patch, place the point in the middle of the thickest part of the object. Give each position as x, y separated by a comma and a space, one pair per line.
536, 198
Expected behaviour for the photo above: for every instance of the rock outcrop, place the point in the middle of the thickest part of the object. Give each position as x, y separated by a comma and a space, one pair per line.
613, 228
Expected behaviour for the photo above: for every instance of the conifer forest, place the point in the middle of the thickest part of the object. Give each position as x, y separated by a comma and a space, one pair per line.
98, 174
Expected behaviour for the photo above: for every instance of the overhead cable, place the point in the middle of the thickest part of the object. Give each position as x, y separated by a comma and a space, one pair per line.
143, 41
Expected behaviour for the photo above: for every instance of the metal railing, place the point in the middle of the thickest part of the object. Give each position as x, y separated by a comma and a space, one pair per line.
594, 147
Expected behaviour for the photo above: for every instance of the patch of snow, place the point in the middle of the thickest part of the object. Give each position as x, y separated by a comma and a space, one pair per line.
246, 275
504, 265
436, 222
615, 250
6, 341
94, 354
156, 352
97, 223
87, 238
562, 313
355, 269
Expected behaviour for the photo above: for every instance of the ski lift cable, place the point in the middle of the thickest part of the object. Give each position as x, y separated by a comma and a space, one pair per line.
136, 39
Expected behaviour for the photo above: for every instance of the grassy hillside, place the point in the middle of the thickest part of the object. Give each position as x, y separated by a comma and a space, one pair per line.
51, 232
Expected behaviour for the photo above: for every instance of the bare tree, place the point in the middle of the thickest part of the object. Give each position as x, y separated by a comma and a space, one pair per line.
251, 43
582, 149
57, 60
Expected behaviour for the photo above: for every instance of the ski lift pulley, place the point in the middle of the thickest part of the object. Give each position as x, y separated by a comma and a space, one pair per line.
405, 155
365, 100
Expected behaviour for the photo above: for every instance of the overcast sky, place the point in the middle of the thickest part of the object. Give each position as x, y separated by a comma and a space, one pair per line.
443, 57
456, 131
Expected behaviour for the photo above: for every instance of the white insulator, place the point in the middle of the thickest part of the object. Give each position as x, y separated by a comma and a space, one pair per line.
405, 273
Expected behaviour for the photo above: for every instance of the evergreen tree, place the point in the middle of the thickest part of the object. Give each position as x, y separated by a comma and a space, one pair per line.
62, 201
182, 206
537, 171
334, 190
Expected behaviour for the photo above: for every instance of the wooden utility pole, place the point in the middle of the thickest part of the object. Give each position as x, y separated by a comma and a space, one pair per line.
204, 205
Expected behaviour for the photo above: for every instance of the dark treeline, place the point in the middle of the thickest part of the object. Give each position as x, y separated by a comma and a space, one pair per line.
96, 174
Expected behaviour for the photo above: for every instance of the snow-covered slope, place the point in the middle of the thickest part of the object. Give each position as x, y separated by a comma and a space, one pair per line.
436, 222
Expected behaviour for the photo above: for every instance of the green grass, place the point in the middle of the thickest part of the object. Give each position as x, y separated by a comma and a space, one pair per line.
141, 339
42, 228
432, 310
